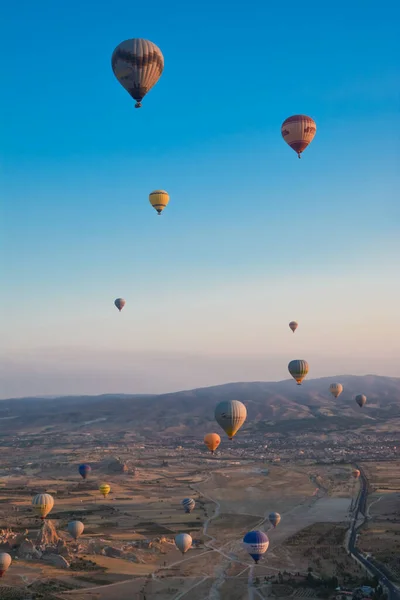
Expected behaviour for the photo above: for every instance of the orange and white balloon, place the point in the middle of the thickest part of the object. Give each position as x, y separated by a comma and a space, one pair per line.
298, 131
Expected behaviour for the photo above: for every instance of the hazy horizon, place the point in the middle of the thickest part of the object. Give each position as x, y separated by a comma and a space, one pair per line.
65, 373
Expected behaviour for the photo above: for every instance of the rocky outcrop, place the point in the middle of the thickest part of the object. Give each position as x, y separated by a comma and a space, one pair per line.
10, 539
112, 552
47, 536
62, 549
56, 560
116, 465
27, 551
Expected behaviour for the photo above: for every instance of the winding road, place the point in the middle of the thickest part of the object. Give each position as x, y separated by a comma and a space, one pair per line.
361, 503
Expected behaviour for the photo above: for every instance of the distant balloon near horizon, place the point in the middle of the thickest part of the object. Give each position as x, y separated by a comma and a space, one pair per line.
84, 470
256, 543
298, 369
120, 303
138, 65
75, 529
293, 325
212, 441
361, 400
336, 389
298, 131
230, 416
183, 542
43, 504
159, 200
5, 562
188, 504
274, 518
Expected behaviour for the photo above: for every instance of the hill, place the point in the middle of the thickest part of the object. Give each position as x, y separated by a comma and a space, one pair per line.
268, 403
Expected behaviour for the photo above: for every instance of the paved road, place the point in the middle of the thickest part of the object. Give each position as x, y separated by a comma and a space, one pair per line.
361, 508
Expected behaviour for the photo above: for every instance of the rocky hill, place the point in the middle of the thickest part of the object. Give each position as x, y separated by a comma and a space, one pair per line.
271, 402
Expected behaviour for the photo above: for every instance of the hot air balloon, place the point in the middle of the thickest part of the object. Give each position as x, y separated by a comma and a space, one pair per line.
298, 370
104, 489
159, 200
5, 562
356, 473
188, 504
274, 518
75, 529
293, 325
84, 470
183, 542
230, 415
212, 441
43, 503
256, 543
137, 64
298, 131
361, 400
336, 389
119, 303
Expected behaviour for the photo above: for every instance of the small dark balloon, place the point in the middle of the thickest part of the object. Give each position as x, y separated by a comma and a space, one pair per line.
84, 470
119, 303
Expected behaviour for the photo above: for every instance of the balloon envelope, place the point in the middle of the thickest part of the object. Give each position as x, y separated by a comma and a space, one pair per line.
293, 325
188, 504
105, 489
230, 415
256, 543
43, 503
212, 441
336, 389
159, 200
84, 470
137, 64
5, 562
356, 473
274, 518
298, 131
75, 529
361, 400
298, 370
119, 303
183, 542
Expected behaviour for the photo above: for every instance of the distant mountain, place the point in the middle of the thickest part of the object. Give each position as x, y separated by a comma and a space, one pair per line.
267, 403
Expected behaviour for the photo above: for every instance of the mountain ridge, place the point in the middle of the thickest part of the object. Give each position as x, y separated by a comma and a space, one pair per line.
194, 408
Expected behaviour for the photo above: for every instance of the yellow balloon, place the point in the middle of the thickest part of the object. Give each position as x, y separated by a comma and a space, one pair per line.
105, 489
159, 200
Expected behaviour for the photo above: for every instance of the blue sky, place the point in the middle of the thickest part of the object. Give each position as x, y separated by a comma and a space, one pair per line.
252, 237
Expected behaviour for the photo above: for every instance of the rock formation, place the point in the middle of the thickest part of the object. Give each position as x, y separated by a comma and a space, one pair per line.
47, 536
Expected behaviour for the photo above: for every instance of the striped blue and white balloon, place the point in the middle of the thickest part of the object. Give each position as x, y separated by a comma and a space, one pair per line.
256, 543
188, 504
